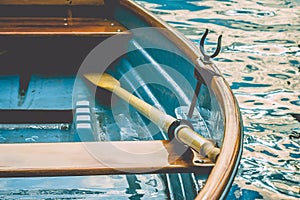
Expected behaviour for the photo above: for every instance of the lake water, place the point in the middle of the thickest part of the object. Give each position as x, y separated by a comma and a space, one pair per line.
260, 59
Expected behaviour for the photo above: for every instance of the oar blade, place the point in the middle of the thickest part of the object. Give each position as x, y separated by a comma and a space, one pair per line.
104, 80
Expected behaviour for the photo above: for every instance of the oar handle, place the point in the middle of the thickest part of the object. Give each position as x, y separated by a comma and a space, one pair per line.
182, 133
203, 146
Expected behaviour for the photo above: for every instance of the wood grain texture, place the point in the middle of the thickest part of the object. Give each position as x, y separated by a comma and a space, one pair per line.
51, 2
36, 26
231, 146
94, 158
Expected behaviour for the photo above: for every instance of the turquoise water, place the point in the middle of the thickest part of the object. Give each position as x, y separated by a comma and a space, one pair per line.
260, 59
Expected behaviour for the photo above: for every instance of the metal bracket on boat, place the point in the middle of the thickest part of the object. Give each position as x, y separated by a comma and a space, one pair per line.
174, 126
208, 57
206, 60
179, 147
196, 93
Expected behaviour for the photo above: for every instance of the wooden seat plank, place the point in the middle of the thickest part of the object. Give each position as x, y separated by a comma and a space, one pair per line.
94, 158
12, 26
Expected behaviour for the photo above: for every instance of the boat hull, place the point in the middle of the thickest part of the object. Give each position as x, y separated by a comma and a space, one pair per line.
42, 69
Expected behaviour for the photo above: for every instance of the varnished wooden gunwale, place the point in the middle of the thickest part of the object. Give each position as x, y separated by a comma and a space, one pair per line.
231, 146
226, 164
177, 38
95, 158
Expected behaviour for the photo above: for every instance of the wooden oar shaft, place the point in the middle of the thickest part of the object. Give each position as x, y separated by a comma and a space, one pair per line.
184, 134
158, 117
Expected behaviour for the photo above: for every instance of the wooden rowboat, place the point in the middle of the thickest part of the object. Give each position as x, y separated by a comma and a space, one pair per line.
65, 66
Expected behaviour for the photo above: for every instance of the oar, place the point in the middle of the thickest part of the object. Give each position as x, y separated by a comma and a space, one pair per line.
182, 133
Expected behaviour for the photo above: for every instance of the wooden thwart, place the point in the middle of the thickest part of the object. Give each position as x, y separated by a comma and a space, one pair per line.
60, 26
95, 158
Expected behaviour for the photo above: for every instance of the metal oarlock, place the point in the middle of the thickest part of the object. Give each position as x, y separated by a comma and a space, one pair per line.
197, 74
207, 57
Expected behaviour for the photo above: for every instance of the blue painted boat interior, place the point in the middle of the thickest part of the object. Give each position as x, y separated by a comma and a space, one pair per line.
155, 70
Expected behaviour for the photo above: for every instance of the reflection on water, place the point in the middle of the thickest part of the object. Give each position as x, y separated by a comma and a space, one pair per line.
261, 61
89, 187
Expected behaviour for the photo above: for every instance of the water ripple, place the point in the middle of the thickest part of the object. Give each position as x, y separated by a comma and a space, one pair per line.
247, 12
